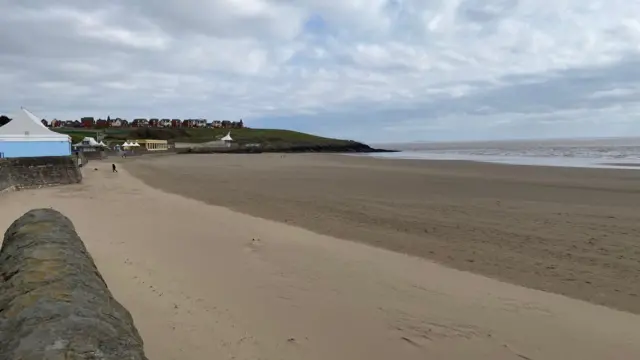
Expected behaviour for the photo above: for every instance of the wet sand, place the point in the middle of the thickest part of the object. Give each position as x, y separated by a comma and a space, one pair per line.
565, 230
204, 282
631, 165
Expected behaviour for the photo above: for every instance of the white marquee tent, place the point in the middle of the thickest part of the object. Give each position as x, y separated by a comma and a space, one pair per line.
88, 141
27, 127
26, 136
227, 137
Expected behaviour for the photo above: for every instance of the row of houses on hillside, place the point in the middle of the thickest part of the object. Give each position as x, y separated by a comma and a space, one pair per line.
90, 122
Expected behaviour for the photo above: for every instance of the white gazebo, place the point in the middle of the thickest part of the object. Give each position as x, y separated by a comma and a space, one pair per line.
89, 144
88, 141
130, 145
26, 136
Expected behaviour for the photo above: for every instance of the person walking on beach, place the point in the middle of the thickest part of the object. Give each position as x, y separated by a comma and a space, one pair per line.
113, 168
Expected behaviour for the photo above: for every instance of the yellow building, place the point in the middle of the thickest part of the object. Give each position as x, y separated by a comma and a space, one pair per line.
153, 145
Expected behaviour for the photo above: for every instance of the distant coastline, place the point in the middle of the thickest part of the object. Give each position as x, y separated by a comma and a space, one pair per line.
245, 140
616, 153
351, 147
586, 141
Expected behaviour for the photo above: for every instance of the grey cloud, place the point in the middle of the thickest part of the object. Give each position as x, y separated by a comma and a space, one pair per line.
377, 66
525, 106
484, 12
218, 18
50, 39
564, 89
569, 89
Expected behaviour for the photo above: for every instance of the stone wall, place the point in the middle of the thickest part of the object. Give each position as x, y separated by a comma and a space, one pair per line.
5, 178
21, 173
54, 304
95, 155
80, 159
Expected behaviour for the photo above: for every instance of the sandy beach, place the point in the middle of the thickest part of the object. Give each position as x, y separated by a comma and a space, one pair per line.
208, 282
570, 231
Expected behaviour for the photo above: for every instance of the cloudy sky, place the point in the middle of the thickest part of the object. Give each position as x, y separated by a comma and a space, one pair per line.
373, 70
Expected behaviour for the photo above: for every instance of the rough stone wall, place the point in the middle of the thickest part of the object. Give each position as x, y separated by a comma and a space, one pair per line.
5, 178
19, 173
95, 155
54, 304
79, 155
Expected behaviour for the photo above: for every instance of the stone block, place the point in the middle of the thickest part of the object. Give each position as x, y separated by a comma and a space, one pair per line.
54, 303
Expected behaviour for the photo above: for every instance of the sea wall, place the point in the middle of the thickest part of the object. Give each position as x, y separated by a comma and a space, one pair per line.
5, 177
95, 155
80, 159
54, 304
21, 173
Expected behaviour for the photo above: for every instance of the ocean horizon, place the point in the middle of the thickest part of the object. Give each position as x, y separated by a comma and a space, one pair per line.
612, 153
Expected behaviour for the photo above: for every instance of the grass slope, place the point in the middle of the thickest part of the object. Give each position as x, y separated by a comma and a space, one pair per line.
194, 135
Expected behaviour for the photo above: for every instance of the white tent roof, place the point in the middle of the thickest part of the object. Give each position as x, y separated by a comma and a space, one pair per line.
90, 141
227, 137
27, 127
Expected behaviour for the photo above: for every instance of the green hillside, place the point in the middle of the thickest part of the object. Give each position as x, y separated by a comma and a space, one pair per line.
199, 135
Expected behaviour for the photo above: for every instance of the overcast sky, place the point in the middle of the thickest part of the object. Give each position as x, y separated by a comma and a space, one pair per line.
373, 70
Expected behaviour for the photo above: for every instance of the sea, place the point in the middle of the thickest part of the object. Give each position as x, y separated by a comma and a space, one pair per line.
619, 153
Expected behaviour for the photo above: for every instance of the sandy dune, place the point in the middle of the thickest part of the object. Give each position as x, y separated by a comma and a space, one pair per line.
203, 282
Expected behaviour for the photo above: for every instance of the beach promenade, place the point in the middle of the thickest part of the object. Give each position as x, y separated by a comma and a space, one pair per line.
208, 282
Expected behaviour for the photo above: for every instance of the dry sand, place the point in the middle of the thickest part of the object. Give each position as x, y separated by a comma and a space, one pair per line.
204, 282
570, 231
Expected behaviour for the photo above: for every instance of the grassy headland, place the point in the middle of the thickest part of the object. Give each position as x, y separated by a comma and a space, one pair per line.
267, 139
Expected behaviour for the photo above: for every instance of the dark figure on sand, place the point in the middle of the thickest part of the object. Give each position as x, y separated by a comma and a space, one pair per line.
113, 168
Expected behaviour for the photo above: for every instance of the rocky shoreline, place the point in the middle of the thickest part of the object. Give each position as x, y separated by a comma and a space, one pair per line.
351, 147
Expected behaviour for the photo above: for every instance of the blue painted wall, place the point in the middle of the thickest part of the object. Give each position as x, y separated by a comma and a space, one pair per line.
13, 149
